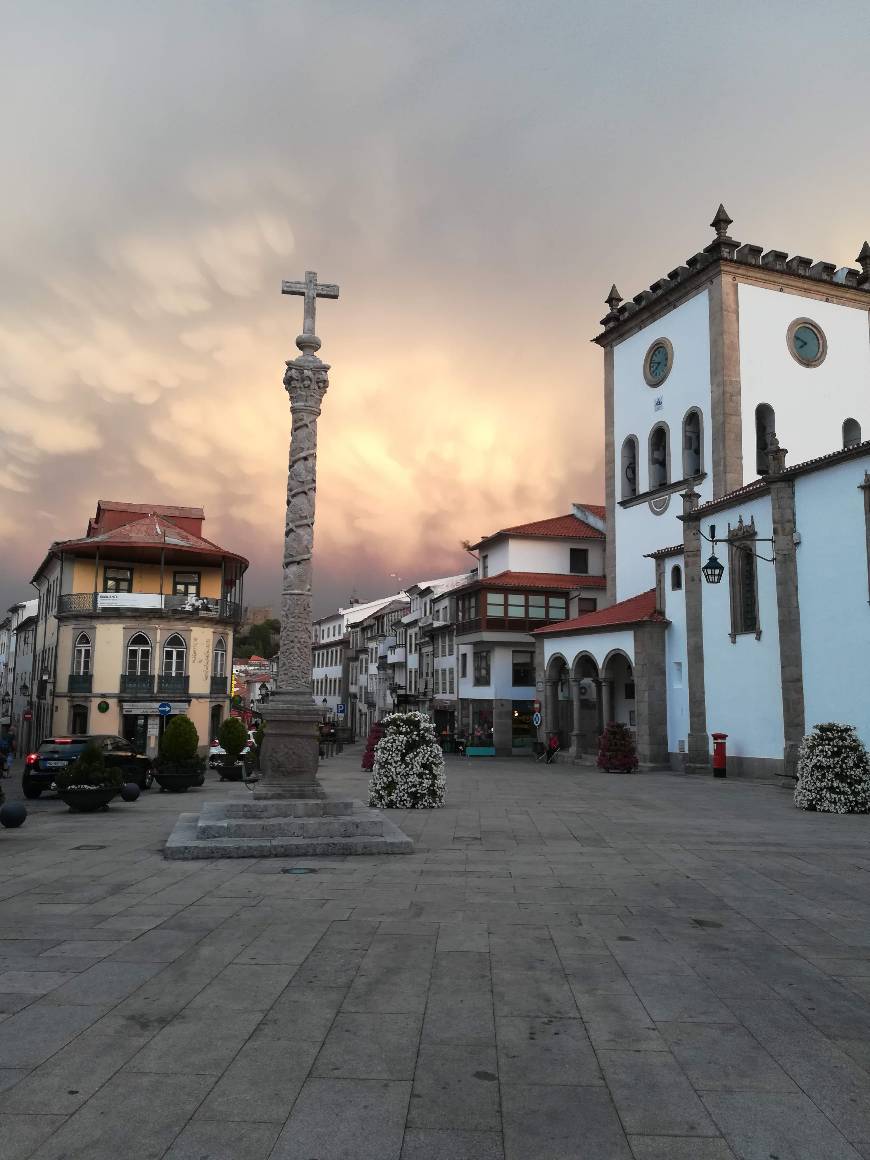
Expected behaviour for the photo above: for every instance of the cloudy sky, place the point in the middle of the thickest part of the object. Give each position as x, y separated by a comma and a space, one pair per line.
474, 175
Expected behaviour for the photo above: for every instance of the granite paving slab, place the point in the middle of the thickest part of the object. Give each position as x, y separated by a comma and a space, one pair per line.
569, 966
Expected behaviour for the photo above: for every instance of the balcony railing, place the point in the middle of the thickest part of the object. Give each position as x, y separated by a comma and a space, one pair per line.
80, 682
219, 686
106, 603
172, 685
137, 684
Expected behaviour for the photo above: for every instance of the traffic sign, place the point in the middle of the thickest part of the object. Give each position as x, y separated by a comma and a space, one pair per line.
164, 708
340, 710
536, 719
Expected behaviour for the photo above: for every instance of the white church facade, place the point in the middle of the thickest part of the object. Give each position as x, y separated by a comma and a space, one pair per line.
708, 376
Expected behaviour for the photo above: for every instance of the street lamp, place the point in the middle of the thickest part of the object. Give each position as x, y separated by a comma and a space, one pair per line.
714, 569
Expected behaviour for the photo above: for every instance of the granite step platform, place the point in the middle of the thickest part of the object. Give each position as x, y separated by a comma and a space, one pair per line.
284, 829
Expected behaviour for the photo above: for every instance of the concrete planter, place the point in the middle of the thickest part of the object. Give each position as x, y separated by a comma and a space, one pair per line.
179, 777
87, 801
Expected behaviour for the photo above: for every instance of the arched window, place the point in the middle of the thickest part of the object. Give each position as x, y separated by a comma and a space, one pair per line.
765, 428
220, 658
174, 654
693, 462
82, 655
659, 458
851, 432
139, 655
629, 468
676, 578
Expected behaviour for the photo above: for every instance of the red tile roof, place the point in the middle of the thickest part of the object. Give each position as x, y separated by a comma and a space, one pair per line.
559, 527
150, 532
558, 581
635, 610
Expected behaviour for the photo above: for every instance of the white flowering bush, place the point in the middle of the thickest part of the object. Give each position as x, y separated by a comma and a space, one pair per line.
408, 772
833, 774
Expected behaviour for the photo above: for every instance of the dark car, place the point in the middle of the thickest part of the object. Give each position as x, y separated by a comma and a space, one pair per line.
56, 753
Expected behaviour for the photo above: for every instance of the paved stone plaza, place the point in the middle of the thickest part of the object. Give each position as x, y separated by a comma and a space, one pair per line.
571, 965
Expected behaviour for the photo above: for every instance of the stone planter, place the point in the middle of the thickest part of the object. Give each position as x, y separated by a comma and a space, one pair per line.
179, 778
234, 772
87, 801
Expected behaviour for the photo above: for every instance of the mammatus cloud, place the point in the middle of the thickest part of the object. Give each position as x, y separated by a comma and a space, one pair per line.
474, 177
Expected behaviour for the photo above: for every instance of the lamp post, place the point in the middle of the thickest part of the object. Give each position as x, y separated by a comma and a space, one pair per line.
714, 569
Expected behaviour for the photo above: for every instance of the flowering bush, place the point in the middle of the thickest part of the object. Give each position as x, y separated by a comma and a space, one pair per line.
616, 749
408, 770
833, 774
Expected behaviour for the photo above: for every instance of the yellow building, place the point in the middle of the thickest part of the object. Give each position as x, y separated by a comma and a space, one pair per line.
135, 626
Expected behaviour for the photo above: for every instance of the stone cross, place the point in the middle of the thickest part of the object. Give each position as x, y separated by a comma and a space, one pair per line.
290, 747
311, 290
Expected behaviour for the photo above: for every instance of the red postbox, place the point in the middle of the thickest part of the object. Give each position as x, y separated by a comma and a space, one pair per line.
719, 755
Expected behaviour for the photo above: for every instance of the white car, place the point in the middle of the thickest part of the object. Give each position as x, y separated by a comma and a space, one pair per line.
217, 753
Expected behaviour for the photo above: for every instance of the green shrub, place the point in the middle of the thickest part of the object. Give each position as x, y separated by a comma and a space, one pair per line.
233, 737
89, 771
179, 741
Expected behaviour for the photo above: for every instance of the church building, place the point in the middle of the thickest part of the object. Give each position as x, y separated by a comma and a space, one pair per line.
738, 515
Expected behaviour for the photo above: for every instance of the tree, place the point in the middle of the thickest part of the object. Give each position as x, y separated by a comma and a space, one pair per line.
233, 737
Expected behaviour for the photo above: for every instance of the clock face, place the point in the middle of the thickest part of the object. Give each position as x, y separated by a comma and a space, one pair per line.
658, 362
807, 344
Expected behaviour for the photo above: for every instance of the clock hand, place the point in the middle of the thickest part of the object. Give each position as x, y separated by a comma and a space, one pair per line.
801, 342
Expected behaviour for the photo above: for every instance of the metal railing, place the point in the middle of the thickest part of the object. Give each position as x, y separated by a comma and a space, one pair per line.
80, 682
172, 684
106, 603
218, 686
137, 684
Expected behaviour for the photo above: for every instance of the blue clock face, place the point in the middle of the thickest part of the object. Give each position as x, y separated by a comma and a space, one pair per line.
807, 344
658, 362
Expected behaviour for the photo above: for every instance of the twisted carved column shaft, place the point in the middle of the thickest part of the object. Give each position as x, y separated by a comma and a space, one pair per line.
307, 381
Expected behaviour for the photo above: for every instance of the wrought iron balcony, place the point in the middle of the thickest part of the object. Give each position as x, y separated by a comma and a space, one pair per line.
137, 684
80, 682
152, 603
219, 686
172, 685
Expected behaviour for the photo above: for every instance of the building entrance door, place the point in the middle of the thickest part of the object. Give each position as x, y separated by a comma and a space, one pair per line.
136, 731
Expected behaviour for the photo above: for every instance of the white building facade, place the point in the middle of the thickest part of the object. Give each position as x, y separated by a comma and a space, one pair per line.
708, 376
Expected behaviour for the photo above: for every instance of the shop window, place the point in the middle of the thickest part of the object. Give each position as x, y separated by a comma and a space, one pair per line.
482, 667
79, 720
580, 561
118, 579
523, 732
481, 724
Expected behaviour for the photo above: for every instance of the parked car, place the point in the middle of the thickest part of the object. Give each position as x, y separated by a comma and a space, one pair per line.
56, 753
217, 753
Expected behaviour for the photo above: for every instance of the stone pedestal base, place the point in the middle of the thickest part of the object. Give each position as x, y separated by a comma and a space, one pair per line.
243, 828
289, 754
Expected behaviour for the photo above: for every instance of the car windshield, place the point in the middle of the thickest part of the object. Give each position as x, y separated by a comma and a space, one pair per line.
68, 747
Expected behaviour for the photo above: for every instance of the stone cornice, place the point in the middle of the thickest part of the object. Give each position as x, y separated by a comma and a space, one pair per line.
806, 281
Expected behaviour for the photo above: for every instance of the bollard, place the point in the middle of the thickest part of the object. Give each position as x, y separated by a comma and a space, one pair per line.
719, 755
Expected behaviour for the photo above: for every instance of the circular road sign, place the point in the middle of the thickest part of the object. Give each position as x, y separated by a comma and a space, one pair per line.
164, 708
536, 719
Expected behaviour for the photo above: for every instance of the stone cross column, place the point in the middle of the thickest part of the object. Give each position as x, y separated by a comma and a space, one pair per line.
289, 755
